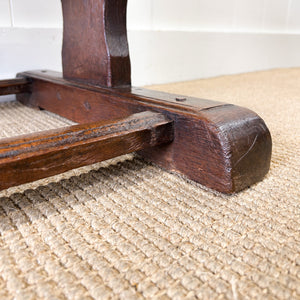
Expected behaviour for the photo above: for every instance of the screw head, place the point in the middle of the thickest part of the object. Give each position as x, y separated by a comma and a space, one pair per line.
180, 99
87, 105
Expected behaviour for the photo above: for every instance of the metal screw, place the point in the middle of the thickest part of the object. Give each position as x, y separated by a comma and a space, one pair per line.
87, 105
180, 99
58, 96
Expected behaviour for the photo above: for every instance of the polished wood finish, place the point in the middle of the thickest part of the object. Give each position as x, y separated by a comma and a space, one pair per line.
222, 146
39, 155
14, 86
95, 47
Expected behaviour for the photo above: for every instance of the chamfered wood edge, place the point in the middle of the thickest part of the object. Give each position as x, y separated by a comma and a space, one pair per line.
39, 155
222, 146
95, 47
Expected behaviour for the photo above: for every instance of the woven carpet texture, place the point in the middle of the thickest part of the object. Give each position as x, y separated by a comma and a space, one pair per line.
126, 229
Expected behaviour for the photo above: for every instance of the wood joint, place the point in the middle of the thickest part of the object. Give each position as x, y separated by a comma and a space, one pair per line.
222, 146
34, 156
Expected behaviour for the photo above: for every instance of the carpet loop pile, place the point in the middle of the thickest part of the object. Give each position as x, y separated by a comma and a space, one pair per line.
125, 229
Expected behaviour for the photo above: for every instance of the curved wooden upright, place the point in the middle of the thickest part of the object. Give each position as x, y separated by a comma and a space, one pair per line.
95, 47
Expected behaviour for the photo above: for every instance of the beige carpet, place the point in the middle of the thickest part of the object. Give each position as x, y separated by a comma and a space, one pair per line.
124, 229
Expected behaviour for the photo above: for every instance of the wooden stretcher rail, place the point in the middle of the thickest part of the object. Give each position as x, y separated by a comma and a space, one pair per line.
222, 146
14, 86
30, 157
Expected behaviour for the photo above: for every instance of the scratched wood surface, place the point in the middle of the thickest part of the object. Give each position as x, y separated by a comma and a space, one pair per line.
222, 146
34, 156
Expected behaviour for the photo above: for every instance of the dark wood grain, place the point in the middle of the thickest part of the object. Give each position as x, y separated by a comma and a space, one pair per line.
95, 47
14, 86
222, 146
30, 157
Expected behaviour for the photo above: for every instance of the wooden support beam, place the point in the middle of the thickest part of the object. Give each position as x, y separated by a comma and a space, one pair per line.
30, 157
14, 86
222, 146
